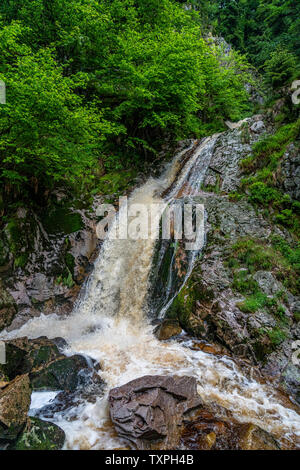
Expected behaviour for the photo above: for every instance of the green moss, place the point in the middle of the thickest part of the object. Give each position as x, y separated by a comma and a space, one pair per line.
268, 341
269, 150
249, 256
253, 303
21, 261
62, 374
42, 356
276, 336
40, 435
184, 306
244, 283
297, 316
252, 254
14, 236
66, 279
70, 262
263, 166
115, 182
62, 220
214, 188
235, 196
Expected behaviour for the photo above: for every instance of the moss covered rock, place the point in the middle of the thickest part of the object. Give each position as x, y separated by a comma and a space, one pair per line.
211, 432
8, 308
24, 355
14, 406
40, 435
62, 220
189, 305
4, 251
168, 329
62, 374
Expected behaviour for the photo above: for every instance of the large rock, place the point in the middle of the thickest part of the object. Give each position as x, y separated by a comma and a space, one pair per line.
24, 355
149, 411
14, 407
290, 171
209, 432
45, 256
7, 308
47, 367
39, 435
65, 373
167, 329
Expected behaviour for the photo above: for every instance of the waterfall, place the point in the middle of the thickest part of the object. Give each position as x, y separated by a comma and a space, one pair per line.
110, 324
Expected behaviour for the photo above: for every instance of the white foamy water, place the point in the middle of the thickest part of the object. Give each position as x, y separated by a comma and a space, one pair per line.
110, 325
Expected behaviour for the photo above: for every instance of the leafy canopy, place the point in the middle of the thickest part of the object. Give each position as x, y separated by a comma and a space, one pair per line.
96, 85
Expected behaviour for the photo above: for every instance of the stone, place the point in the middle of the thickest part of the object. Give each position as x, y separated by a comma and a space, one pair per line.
8, 308
290, 171
167, 329
258, 127
14, 407
39, 435
149, 411
65, 373
24, 355
268, 284
47, 367
212, 432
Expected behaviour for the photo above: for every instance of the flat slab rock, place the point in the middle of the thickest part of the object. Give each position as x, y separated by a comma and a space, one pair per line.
149, 411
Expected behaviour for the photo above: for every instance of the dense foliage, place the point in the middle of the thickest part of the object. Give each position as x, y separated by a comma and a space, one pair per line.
267, 31
97, 85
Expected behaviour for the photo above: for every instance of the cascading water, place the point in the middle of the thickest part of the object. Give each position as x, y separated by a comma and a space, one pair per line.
109, 324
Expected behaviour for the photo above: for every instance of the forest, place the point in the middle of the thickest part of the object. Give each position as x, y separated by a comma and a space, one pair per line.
96, 86
131, 340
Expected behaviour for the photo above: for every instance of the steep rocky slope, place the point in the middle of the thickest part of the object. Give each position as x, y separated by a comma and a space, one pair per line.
243, 294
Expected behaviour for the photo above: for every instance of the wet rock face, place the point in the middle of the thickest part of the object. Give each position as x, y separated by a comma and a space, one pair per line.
224, 172
14, 406
149, 411
39, 435
209, 432
8, 308
44, 258
209, 306
290, 171
47, 367
167, 329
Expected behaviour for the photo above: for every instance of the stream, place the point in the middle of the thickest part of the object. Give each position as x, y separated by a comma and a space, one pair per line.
111, 324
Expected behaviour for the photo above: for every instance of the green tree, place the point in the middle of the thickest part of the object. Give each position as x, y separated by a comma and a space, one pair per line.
280, 68
47, 134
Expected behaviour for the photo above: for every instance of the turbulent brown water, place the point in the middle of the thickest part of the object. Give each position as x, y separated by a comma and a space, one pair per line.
110, 324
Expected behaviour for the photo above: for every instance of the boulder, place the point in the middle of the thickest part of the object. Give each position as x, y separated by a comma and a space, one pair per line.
210, 432
258, 127
7, 308
167, 329
39, 435
24, 355
47, 367
149, 411
65, 373
290, 171
14, 407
